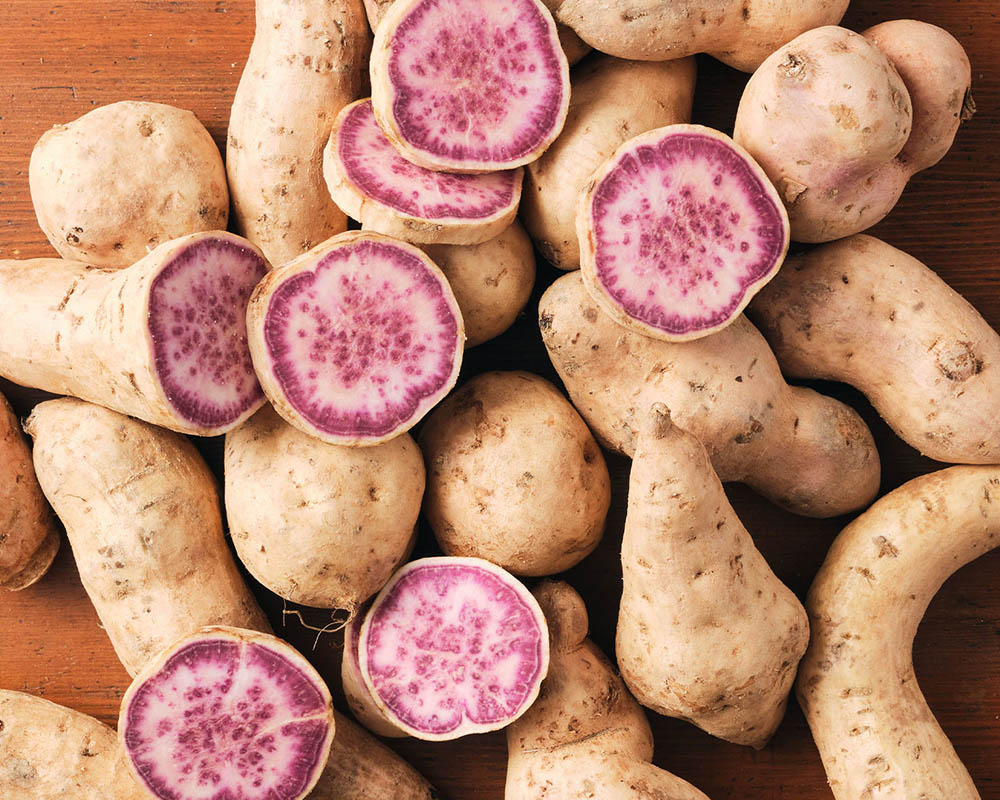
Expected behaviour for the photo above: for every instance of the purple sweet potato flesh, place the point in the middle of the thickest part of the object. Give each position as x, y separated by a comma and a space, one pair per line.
360, 342
476, 80
453, 649
378, 170
197, 323
682, 226
227, 719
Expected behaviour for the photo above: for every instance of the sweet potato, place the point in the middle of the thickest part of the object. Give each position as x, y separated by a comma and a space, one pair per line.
863, 312
803, 450
706, 631
29, 538
874, 730
585, 737
141, 511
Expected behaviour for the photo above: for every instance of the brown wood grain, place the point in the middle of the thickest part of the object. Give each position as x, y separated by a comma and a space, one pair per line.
60, 59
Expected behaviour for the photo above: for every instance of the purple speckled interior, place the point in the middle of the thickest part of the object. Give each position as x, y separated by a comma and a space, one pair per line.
227, 720
377, 169
197, 324
360, 342
682, 226
452, 646
476, 80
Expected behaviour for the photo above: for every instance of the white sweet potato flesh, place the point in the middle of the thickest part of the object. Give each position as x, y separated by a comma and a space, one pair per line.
874, 730
469, 85
840, 125
806, 452
514, 475
372, 183
227, 713
141, 511
357, 339
317, 523
359, 698
678, 230
124, 178
304, 66
863, 312
706, 631
163, 340
585, 737
29, 538
740, 33
612, 100
453, 646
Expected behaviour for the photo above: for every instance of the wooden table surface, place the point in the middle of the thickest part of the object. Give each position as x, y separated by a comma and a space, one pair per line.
60, 59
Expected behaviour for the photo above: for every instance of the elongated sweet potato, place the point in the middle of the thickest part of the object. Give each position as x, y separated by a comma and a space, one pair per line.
163, 340
141, 512
304, 66
29, 538
807, 452
48, 752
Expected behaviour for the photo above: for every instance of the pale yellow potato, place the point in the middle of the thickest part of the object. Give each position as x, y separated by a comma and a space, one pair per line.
862, 312
141, 511
740, 33
514, 476
874, 730
802, 450
585, 737
840, 121
305, 65
29, 538
48, 752
320, 524
706, 631
611, 101
124, 178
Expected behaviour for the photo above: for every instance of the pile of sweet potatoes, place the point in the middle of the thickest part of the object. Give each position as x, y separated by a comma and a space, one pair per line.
390, 170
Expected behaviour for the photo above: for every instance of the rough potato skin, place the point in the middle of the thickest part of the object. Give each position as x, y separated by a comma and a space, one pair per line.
875, 733
124, 178
48, 752
804, 451
70, 328
492, 281
304, 66
141, 511
840, 125
29, 538
740, 33
584, 737
320, 524
611, 101
360, 767
514, 475
706, 631
862, 312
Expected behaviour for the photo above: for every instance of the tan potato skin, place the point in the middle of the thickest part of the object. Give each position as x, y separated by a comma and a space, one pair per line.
804, 451
585, 737
875, 733
514, 475
706, 631
740, 33
840, 125
74, 329
862, 312
316, 523
29, 538
141, 511
125, 178
48, 752
611, 101
304, 66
